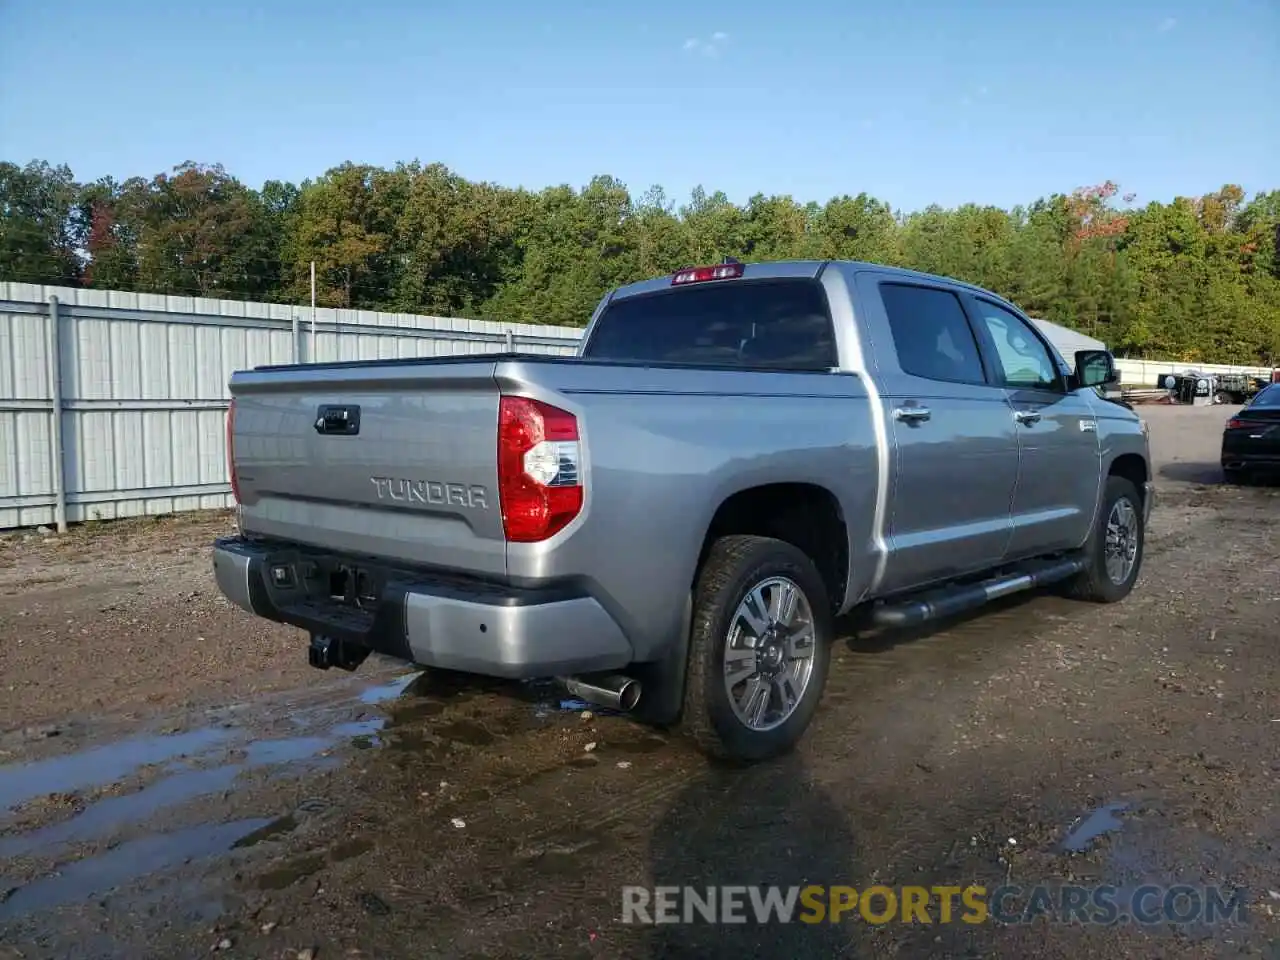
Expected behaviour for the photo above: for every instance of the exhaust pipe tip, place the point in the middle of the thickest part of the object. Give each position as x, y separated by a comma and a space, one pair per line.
629, 695
617, 692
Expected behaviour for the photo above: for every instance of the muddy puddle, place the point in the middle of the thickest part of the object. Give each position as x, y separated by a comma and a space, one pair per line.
130, 860
131, 820
1100, 822
82, 824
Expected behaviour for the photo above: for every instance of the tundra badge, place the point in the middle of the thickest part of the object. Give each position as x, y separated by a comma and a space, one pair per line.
431, 491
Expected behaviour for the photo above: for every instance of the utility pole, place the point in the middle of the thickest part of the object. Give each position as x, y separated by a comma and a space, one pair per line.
312, 358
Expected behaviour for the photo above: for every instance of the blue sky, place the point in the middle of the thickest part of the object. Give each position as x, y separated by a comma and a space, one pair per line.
914, 101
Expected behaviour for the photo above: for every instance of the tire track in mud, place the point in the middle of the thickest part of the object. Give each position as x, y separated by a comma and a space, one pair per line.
482, 784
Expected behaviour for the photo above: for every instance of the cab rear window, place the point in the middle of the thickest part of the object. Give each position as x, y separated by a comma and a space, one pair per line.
779, 324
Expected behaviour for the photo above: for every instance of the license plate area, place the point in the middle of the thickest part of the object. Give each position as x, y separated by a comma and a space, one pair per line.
327, 594
321, 582
352, 586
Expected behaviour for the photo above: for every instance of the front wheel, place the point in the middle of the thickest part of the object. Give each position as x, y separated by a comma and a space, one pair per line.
1113, 552
759, 649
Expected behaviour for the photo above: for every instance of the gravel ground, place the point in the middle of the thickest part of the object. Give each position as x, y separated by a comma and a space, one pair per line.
179, 783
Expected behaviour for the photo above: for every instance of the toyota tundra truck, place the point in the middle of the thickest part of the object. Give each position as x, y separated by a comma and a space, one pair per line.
671, 521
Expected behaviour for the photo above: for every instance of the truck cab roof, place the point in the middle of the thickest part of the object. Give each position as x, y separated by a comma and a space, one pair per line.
795, 268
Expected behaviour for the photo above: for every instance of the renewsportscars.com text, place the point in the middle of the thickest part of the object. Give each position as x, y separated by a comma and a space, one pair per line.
1011, 904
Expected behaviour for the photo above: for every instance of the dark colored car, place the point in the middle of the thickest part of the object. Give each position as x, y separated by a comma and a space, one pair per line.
1251, 439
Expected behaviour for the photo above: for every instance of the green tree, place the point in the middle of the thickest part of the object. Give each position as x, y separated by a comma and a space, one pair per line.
345, 224
41, 224
201, 232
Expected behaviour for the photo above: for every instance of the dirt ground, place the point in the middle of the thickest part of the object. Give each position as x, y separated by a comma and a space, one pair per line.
125, 618
176, 782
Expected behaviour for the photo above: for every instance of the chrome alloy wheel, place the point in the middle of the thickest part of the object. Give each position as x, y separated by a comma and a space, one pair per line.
1121, 550
769, 653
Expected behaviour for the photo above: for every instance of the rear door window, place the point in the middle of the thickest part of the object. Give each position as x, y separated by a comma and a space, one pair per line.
780, 324
931, 333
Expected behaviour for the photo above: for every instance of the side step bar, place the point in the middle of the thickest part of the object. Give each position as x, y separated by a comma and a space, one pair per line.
947, 601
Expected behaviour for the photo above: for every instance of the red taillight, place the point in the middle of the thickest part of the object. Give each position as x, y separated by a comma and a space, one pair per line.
539, 469
1235, 423
725, 271
231, 450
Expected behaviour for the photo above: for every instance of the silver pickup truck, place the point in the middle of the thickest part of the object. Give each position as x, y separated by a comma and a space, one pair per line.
670, 521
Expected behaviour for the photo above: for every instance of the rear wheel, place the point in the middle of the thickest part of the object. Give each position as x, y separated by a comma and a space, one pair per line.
1113, 552
1233, 475
759, 649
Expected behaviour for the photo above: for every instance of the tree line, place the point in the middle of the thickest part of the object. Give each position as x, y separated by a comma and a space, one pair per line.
1197, 278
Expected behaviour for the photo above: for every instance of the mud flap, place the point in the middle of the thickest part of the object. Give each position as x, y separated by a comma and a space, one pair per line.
663, 680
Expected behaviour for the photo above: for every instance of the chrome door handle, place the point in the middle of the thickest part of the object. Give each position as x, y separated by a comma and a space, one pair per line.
1026, 416
912, 414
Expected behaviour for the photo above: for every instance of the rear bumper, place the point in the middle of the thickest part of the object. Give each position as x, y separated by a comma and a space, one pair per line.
1255, 447
1267, 460
452, 623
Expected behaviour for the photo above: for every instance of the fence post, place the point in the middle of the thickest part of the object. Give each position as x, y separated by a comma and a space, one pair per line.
296, 357
311, 357
53, 344
511, 341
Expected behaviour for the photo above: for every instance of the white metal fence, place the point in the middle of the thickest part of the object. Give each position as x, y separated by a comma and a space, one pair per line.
112, 404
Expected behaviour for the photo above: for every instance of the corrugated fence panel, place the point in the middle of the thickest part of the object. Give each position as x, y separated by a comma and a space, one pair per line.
26, 450
144, 388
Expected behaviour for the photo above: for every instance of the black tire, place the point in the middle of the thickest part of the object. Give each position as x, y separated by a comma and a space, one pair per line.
1234, 475
734, 566
1093, 584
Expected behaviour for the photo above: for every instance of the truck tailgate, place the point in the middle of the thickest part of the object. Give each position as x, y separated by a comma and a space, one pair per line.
392, 459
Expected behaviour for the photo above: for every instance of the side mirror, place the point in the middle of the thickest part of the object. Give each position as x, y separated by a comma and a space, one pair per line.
1095, 368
